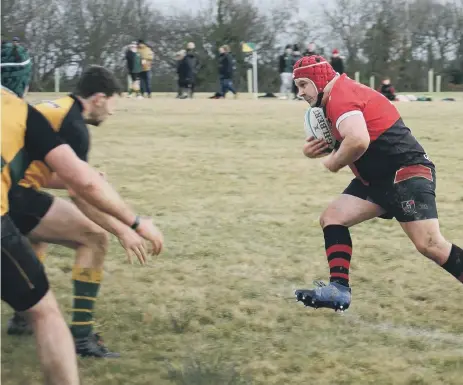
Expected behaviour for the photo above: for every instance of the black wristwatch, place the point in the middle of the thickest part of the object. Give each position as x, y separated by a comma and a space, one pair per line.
136, 223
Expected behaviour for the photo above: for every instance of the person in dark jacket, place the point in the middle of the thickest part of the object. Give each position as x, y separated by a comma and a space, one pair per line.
188, 71
285, 69
134, 68
336, 62
226, 69
387, 89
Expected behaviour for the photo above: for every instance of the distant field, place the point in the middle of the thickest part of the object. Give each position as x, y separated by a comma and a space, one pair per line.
239, 204
204, 95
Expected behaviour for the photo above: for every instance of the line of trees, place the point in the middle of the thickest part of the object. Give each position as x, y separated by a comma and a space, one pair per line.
397, 38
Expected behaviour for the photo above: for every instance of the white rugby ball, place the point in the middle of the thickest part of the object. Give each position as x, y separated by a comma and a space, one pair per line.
316, 125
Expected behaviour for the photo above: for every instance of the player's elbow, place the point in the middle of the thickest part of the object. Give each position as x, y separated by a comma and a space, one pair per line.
359, 142
355, 146
72, 171
363, 142
86, 184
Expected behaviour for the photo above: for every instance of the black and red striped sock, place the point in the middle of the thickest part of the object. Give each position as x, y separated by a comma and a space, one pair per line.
338, 245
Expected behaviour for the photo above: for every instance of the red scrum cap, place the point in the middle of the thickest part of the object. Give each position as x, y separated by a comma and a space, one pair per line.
315, 68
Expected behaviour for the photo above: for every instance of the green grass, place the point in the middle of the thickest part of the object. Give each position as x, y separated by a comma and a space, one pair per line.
238, 203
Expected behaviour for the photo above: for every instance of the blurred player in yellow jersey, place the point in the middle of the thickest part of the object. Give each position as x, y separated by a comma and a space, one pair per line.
80, 226
27, 136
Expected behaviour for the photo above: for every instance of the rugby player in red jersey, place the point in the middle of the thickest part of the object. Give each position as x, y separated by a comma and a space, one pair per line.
394, 177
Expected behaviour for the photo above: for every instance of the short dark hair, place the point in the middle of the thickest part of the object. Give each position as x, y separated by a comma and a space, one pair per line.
96, 79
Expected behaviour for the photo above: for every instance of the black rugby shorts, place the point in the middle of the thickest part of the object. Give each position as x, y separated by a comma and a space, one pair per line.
408, 196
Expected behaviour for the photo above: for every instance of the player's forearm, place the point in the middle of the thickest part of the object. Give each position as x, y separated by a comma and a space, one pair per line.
351, 149
99, 193
103, 196
107, 222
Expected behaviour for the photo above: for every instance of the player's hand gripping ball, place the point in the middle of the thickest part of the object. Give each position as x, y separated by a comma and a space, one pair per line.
317, 126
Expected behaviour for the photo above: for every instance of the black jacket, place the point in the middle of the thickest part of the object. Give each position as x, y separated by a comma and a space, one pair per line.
388, 91
226, 66
188, 68
282, 62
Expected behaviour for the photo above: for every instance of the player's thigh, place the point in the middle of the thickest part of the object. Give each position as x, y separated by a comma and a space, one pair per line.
66, 225
353, 206
27, 207
427, 238
415, 208
23, 279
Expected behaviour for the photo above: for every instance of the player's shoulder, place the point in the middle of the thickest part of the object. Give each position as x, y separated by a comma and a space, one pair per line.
348, 92
14, 104
346, 86
60, 111
61, 105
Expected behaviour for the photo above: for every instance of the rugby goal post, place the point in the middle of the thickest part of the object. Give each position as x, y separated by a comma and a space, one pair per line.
438, 80
431, 80
248, 47
57, 79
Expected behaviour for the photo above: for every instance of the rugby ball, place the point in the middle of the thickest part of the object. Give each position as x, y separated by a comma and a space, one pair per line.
316, 125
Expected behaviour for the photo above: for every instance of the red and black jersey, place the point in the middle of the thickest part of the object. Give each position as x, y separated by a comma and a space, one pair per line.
392, 144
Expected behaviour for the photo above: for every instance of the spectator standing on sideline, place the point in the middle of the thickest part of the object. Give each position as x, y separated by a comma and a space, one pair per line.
180, 81
285, 69
226, 69
147, 56
188, 71
387, 89
296, 56
337, 62
311, 49
16, 67
134, 68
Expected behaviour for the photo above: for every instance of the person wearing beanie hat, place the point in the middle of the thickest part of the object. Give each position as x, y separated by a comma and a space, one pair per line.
188, 71
394, 177
337, 62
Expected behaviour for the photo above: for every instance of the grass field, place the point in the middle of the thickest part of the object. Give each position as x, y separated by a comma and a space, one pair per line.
238, 203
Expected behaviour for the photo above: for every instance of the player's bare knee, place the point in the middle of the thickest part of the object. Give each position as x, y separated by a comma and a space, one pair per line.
46, 307
330, 217
429, 245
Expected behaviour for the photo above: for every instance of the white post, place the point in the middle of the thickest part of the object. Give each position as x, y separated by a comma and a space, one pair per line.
254, 78
430, 80
57, 78
438, 83
249, 78
357, 77
372, 82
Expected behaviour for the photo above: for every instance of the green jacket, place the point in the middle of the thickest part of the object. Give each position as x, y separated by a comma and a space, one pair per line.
133, 62
16, 68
